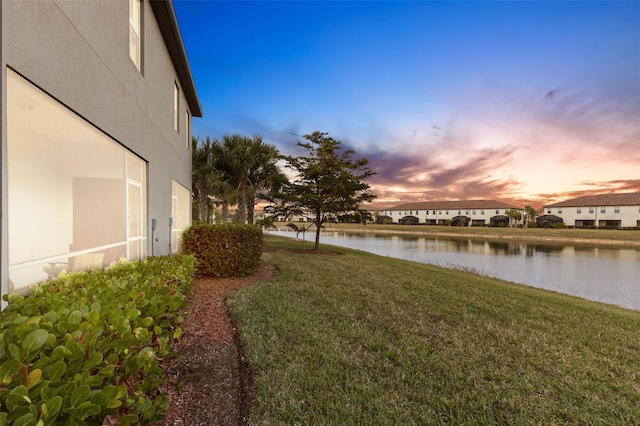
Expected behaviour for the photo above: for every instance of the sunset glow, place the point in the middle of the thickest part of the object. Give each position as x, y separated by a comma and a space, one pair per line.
524, 102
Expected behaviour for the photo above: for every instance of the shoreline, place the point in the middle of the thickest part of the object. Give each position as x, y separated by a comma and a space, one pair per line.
488, 235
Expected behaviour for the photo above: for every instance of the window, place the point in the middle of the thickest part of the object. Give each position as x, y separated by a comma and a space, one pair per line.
548, 211
578, 210
176, 105
459, 211
187, 129
474, 212
559, 209
498, 211
434, 212
616, 209
180, 213
92, 189
135, 33
482, 212
591, 209
603, 209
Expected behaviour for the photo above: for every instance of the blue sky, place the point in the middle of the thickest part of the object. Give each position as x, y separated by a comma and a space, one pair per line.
524, 102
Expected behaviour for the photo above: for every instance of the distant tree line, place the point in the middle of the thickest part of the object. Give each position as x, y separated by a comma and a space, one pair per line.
327, 183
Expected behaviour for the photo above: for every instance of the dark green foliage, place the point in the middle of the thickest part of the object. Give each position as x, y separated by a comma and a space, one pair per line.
229, 250
235, 170
85, 348
329, 183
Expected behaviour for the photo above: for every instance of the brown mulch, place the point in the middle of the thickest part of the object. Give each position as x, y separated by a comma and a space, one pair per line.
214, 378
210, 381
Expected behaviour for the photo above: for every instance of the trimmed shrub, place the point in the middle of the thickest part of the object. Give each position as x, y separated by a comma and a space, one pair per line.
228, 250
85, 348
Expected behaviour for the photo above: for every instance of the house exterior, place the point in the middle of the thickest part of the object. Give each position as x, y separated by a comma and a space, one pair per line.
97, 102
460, 213
606, 210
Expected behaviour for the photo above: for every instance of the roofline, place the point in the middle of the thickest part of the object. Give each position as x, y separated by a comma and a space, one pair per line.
604, 200
451, 205
168, 23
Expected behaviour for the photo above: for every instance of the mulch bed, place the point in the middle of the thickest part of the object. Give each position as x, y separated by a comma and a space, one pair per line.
210, 381
214, 378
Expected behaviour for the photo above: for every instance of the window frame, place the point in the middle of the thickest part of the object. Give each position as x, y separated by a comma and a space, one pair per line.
176, 107
187, 129
135, 44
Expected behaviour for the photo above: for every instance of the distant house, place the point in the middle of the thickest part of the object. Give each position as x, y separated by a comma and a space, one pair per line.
548, 220
97, 102
606, 210
455, 213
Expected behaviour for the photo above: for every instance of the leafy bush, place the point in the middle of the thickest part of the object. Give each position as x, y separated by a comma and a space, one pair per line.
559, 225
224, 250
85, 348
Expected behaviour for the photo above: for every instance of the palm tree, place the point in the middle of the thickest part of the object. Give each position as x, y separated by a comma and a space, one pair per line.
242, 168
263, 174
514, 216
529, 215
267, 223
201, 177
224, 176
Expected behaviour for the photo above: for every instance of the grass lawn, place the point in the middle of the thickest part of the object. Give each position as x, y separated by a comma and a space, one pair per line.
362, 339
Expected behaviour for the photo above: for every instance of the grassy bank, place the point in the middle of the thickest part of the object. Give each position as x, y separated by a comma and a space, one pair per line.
362, 339
587, 236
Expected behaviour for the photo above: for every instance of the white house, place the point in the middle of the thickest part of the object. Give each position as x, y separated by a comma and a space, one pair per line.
464, 212
606, 210
97, 100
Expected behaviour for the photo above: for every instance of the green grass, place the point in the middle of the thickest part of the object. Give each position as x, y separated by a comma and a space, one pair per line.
363, 339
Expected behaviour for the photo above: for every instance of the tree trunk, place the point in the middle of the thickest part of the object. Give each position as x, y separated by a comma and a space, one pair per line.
225, 212
203, 208
250, 210
318, 224
242, 209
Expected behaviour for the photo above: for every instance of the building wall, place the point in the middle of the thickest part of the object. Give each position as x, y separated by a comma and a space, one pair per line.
627, 215
439, 215
78, 53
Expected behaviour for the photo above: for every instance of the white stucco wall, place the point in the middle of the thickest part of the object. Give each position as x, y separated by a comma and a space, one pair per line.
627, 215
446, 214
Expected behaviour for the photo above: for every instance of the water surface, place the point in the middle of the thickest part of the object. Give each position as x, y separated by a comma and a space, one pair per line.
600, 273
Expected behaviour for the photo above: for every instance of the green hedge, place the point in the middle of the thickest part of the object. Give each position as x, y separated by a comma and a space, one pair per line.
224, 250
84, 349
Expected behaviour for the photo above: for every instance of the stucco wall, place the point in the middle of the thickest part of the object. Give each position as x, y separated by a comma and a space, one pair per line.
627, 215
425, 215
78, 53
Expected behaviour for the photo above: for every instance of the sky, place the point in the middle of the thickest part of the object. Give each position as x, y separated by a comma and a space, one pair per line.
527, 103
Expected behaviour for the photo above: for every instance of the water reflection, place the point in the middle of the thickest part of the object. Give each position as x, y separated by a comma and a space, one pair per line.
605, 274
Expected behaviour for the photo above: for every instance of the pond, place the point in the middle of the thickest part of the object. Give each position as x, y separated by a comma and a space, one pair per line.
600, 273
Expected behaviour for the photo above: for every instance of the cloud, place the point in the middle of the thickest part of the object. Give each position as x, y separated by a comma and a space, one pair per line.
592, 188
